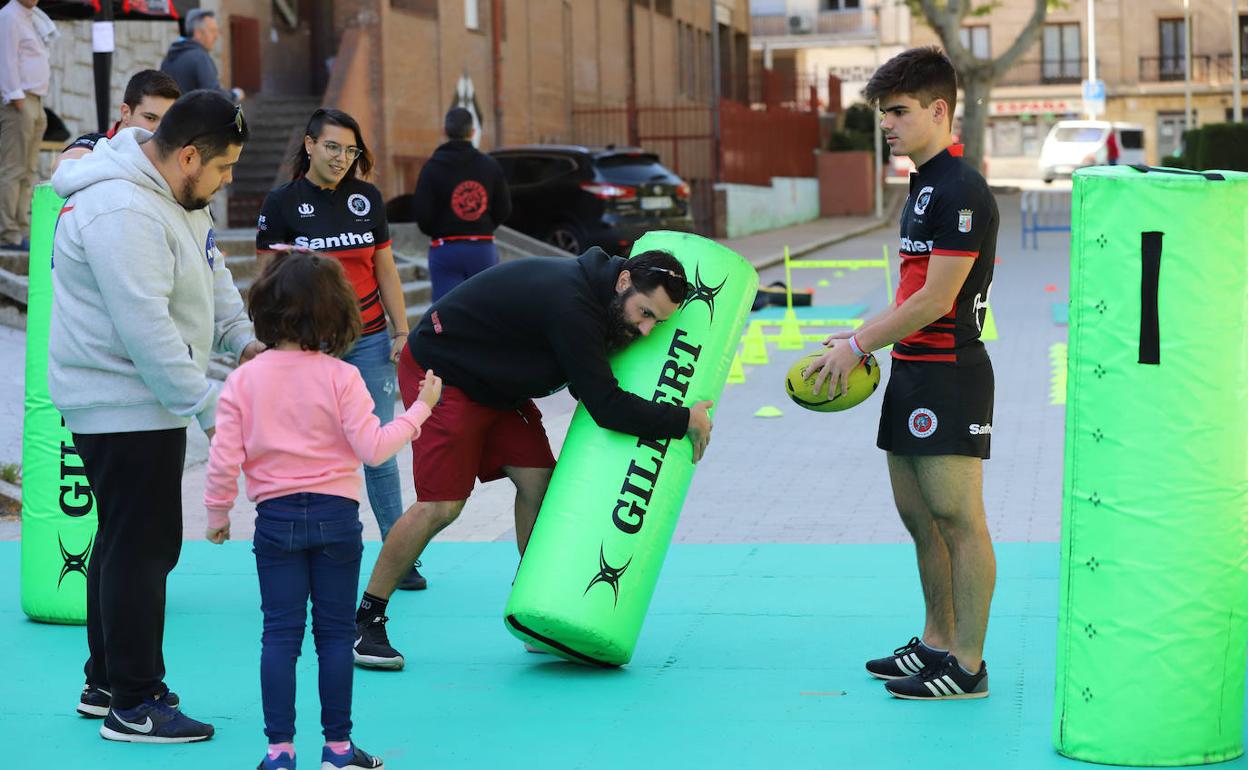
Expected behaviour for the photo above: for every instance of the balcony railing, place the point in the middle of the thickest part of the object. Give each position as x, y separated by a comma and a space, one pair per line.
1224, 68
1030, 72
1206, 68
854, 21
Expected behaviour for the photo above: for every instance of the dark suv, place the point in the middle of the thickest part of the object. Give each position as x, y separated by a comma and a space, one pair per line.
576, 197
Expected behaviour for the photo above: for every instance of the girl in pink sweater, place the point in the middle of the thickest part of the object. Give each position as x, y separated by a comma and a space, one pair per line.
299, 422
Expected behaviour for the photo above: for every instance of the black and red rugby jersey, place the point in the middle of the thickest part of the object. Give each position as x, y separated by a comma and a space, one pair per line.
348, 223
950, 212
88, 141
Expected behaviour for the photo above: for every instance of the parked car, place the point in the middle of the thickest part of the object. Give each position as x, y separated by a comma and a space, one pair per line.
577, 197
1073, 144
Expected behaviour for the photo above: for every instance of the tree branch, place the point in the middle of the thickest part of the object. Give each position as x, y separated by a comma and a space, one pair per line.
1026, 39
946, 22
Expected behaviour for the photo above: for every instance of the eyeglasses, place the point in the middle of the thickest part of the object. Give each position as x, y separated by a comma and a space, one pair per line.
237, 123
334, 149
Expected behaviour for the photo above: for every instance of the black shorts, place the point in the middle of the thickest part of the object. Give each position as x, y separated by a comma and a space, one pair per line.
937, 409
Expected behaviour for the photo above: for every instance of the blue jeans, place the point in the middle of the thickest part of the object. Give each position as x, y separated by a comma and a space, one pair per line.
371, 355
454, 262
307, 544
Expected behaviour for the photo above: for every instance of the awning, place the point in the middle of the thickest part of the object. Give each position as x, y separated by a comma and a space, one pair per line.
141, 10
104, 13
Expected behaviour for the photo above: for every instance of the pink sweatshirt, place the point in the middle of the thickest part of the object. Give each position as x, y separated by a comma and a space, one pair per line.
297, 421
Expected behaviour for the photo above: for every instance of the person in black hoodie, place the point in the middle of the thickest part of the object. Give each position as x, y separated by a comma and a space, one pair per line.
520, 331
461, 198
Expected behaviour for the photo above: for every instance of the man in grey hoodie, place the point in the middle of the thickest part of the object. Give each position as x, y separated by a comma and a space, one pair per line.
141, 297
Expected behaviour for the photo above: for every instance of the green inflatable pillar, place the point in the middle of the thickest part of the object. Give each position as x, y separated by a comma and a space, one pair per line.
592, 563
58, 509
1153, 625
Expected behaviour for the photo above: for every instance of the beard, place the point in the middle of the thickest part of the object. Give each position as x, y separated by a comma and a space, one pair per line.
186, 197
620, 333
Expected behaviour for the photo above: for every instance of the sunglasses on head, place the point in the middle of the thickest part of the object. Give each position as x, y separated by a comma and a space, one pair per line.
676, 284
237, 123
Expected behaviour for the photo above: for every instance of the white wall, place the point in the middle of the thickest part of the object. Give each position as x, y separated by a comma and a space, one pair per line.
140, 45
753, 209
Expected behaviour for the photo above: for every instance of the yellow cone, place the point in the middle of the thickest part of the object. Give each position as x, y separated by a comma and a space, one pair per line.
790, 332
754, 352
769, 411
736, 372
989, 332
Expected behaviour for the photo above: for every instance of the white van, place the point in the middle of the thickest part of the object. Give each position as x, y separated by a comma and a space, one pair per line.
1073, 144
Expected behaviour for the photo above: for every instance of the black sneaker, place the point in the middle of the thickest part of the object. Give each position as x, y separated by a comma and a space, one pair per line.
372, 646
153, 721
943, 681
413, 581
907, 660
94, 701
357, 758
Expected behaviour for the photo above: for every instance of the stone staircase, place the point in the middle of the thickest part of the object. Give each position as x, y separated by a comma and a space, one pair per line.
276, 124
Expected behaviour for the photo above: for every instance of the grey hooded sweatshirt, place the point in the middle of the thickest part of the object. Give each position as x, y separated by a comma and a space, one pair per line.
141, 296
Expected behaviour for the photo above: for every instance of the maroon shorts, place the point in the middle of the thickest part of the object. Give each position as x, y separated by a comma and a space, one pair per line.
464, 440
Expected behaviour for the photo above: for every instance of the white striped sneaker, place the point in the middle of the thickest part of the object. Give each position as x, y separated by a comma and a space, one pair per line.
944, 681
907, 660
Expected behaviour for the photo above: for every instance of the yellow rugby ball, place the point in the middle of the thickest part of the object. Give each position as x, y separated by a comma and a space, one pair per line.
863, 380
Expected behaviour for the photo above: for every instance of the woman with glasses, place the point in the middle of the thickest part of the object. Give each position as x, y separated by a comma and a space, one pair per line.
328, 207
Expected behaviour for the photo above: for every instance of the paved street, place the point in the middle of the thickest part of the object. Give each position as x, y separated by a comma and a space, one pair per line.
803, 477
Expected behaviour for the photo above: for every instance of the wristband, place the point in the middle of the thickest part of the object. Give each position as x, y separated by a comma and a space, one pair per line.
853, 345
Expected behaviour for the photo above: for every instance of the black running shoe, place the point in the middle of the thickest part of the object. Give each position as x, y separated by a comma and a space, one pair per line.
357, 759
413, 581
372, 646
153, 721
94, 701
943, 681
907, 660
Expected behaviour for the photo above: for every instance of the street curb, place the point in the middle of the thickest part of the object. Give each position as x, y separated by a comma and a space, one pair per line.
805, 249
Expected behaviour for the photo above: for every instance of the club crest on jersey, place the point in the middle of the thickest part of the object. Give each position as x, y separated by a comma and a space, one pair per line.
964, 220
922, 422
359, 205
306, 210
924, 198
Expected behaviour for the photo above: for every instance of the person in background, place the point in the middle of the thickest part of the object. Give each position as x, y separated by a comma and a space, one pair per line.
461, 198
189, 59
328, 206
148, 96
25, 71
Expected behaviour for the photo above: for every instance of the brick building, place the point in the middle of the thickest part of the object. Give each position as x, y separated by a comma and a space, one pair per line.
526, 67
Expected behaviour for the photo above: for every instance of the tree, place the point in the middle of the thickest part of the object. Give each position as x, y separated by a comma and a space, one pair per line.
977, 76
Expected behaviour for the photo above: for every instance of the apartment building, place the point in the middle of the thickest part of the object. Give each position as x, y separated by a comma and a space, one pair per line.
1141, 50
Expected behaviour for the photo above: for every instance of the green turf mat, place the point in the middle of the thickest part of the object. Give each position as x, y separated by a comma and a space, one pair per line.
751, 657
